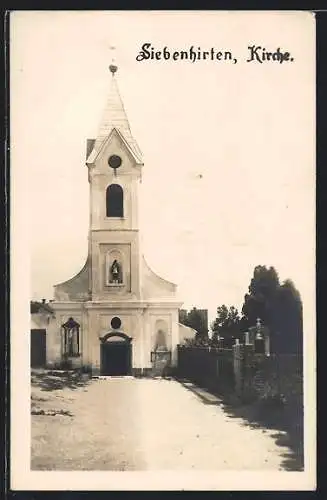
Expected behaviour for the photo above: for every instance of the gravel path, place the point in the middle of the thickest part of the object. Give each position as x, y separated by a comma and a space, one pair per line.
143, 424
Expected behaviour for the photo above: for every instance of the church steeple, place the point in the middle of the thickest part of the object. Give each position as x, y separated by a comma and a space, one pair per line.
114, 117
116, 292
114, 163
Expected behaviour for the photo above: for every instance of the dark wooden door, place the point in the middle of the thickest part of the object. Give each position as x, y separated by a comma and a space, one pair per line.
38, 348
115, 358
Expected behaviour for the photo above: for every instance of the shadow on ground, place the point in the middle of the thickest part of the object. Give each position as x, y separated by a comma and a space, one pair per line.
54, 380
286, 420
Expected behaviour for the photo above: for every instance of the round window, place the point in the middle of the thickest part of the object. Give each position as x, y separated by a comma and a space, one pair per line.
114, 161
116, 322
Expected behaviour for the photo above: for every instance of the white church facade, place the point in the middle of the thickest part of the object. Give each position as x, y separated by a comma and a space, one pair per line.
116, 316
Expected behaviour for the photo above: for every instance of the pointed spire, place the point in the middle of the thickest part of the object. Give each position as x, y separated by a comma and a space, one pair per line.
114, 116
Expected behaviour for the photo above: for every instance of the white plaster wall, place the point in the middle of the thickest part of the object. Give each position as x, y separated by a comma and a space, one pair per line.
185, 332
151, 316
84, 339
126, 320
93, 341
174, 336
53, 343
99, 324
153, 286
40, 320
137, 346
147, 339
127, 175
54, 332
128, 243
137, 322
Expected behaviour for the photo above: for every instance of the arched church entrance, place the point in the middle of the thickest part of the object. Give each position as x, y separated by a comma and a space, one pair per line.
116, 354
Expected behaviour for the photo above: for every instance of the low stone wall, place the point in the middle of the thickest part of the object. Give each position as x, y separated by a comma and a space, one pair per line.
278, 376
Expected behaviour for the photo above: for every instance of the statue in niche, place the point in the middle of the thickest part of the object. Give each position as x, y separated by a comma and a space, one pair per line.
115, 272
161, 341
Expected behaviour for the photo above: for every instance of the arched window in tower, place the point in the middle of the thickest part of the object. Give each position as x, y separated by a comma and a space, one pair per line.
115, 201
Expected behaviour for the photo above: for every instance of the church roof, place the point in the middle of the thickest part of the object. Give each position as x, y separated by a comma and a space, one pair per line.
38, 307
114, 117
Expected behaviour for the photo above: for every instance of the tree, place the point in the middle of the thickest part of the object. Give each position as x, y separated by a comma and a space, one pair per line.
260, 302
279, 306
182, 317
227, 322
218, 324
289, 320
196, 319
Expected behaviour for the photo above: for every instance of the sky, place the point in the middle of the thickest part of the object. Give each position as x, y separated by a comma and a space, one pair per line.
228, 149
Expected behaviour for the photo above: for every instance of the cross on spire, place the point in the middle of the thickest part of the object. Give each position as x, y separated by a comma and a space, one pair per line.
114, 117
113, 67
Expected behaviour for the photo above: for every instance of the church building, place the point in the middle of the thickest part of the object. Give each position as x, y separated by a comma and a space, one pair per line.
116, 316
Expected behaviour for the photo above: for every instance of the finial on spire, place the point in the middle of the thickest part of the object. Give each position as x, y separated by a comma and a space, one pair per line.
113, 67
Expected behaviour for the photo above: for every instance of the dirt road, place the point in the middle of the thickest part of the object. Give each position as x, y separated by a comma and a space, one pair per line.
143, 424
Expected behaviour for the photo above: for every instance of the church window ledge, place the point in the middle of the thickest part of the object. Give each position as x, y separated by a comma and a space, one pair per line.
115, 218
159, 355
71, 356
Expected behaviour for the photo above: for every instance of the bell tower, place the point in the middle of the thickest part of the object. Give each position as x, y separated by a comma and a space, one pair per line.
118, 302
114, 163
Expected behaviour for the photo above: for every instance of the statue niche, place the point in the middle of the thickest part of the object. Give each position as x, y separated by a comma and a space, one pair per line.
115, 273
161, 344
161, 356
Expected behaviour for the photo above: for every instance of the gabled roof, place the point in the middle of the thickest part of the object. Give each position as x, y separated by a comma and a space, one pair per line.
187, 327
95, 153
37, 307
114, 117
